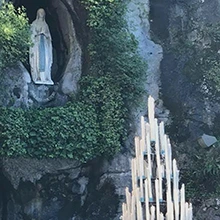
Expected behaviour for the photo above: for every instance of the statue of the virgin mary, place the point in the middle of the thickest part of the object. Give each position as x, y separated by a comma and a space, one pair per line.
40, 56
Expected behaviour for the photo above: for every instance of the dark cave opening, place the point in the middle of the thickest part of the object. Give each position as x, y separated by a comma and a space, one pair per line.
5, 196
60, 48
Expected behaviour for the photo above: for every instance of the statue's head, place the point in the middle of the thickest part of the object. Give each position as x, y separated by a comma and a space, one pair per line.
41, 13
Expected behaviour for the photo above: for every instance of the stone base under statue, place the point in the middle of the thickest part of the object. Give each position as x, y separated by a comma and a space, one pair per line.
48, 82
42, 94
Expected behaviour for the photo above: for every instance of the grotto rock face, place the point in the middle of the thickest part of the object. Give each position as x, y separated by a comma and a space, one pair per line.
137, 18
152, 53
73, 67
179, 25
55, 189
14, 84
182, 28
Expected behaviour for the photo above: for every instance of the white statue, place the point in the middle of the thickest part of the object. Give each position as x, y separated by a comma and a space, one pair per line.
40, 56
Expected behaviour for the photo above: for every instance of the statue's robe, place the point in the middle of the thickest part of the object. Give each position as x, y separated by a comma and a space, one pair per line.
40, 56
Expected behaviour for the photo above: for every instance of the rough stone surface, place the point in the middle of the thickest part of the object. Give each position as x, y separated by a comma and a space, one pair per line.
118, 171
137, 17
139, 24
209, 209
14, 84
73, 67
194, 111
56, 189
22, 169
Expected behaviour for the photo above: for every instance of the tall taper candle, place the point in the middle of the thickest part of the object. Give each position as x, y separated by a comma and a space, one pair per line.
149, 154
152, 213
143, 134
161, 134
151, 117
157, 198
176, 189
149, 187
182, 203
147, 211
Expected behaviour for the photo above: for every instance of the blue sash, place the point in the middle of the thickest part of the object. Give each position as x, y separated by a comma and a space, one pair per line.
42, 54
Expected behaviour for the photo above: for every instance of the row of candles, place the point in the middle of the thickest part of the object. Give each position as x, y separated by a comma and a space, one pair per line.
152, 169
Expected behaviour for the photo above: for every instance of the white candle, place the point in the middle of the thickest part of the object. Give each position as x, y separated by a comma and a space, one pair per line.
149, 154
167, 162
141, 169
169, 197
140, 217
161, 216
171, 211
137, 198
169, 214
147, 213
152, 212
147, 128
160, 190
133, 173
159, 176
182, 203
151, 117
139, 207
141, 189
161, 129
123, 211
162, 171
128, 199
149, 187
138, 152
190, 217
157, 198
137, 145
143, 134
169, 155
157, 145
176, 190
133, 212
186, 211
141, 165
